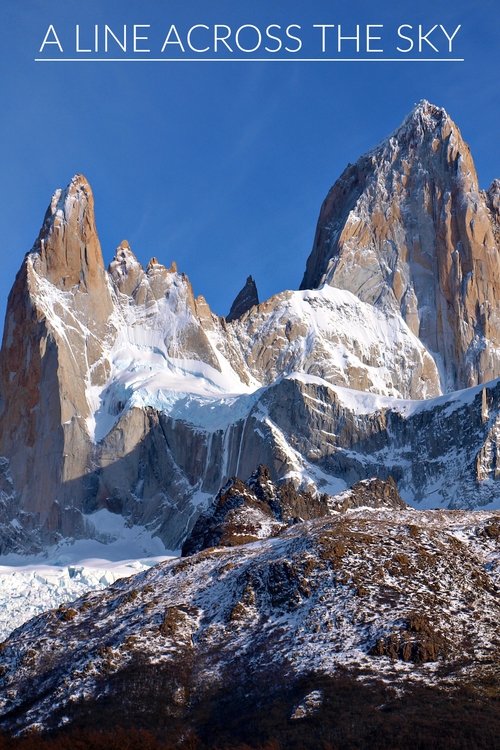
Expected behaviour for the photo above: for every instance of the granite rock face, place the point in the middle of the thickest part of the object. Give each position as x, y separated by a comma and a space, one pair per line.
121, 390
407, 228
65, 315
56, 328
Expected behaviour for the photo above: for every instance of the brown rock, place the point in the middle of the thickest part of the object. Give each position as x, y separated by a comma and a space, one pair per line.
52, 350
68, 246
370, 493
407, 228
417, 641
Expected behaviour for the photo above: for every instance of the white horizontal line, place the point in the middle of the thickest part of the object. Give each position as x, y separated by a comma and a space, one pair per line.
248, 59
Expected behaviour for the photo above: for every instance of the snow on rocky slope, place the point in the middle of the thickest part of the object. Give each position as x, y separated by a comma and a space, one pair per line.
407, 596
163, 351
31, 584
30, 589
329, 332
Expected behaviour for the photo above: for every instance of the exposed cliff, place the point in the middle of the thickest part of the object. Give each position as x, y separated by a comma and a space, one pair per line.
407, 228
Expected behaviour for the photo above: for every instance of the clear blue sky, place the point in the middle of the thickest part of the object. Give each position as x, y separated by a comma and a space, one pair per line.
222, 167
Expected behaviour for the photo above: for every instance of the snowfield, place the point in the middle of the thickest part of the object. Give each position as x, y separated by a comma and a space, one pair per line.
29, 590
30, 585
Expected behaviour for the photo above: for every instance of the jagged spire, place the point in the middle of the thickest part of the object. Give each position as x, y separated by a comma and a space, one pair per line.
245, 299
68, 244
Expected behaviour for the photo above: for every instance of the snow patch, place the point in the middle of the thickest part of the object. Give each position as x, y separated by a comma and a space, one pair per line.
27, 590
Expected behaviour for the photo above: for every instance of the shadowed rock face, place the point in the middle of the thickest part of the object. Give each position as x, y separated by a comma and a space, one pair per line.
244, 300
407, 228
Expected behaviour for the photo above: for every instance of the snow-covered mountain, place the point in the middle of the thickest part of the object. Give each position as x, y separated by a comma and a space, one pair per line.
281, 448
122, 392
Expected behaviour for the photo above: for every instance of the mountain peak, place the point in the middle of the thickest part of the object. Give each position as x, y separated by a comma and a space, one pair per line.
79, 182
424, 119
123, 391
427, 111
68, 245
125, 269
406, 228
246, 298
124, 253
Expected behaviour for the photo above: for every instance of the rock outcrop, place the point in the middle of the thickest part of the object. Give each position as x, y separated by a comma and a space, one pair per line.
407, 228
403, 600
370, 493
244, 300
245, 512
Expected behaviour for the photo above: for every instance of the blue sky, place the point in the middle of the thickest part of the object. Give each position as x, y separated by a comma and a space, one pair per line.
221, 167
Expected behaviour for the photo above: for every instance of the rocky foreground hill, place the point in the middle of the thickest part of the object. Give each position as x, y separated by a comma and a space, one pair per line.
372, 609
121, 390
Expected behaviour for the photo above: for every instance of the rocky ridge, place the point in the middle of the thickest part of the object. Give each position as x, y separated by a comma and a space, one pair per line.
244, 512
120, 390
404, 596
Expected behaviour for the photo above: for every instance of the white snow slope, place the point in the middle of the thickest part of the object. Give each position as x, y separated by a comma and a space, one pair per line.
315, 332
32, 584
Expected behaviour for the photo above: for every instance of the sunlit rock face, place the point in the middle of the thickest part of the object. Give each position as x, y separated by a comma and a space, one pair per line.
121, 390
407, 228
